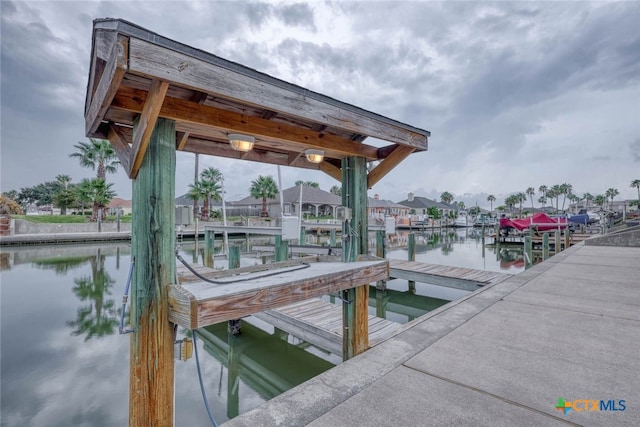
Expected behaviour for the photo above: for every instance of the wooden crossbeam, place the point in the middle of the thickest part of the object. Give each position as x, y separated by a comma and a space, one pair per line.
148, 118
121, 146
181, 140
214, 119
293, 157
331, 170
114, 71
398, 155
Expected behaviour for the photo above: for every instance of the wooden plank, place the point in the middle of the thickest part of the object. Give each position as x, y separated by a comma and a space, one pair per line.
386, 165
195, 305
211, 120
114, 70
156, 61
153, 247
120, 146
146, 124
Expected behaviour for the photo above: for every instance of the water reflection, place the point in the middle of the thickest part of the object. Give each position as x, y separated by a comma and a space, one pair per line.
99, 318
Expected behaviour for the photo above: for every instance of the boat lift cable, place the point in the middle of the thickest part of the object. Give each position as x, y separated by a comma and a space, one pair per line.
125, 297
225, 282
204, 393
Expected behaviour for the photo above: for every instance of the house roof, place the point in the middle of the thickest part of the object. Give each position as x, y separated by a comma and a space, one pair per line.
135, 73
311, 195
117, 202
424, 203
377, 203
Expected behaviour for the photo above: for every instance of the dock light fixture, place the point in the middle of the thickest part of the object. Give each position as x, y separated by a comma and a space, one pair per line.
314, 156
241, 142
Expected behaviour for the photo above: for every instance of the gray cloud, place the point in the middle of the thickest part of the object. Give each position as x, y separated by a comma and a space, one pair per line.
634, 148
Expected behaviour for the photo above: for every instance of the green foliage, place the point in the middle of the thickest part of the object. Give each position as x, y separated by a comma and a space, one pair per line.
446, 197
264, 188
98, 155
433, 212
307, 183
96, 192
53, 219
337, 190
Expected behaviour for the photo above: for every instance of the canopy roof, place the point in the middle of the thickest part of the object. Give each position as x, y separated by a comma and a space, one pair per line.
138, 74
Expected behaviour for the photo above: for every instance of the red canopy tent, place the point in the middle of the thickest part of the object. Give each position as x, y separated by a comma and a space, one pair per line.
540, 221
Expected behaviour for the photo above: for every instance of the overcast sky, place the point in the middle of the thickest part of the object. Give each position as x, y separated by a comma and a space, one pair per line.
515, 94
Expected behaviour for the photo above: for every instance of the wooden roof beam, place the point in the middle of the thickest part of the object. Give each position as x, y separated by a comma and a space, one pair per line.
218, 119
146, 123
217, 77
114, 70
398, 155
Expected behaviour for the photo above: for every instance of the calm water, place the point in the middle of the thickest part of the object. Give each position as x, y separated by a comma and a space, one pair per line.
63, 362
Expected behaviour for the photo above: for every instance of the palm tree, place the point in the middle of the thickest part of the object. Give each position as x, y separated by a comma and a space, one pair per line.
491, 198
195, 193
566, 189
611, 193
337, 190
636, 183
521, 197
543, 189
530, 192
97, 192
98, 154
587, 198
64, 180
555, 191
264, 187
599, 200
307, 183
573, 199
542, 201
446, 198
211, 190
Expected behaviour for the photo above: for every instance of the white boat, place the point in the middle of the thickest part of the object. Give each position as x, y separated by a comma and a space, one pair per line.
463, 220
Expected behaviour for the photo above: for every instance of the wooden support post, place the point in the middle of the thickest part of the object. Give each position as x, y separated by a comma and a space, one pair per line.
382, 300
282, 249
234, 327
209, 244
556, 242
303, 235
332, 238
381, 252
153, 248
411, 252
528, 253
234, 257
545, 246
196, 237
355, 314
567, 237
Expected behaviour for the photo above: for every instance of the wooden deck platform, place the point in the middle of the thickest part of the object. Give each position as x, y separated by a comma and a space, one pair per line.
241, 292
467, 279
320, 323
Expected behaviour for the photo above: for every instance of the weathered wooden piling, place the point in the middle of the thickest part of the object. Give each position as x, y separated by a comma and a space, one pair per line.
303, 236
209, 244
153, 248
545, 246
556, 242
355, 338
411, 254
234, 327
332, 238
282, 249
528, 251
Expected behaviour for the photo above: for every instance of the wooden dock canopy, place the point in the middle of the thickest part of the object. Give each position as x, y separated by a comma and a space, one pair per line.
136, 74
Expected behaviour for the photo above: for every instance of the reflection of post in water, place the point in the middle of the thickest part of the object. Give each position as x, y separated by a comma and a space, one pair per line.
382, 299
233, 375
235, 325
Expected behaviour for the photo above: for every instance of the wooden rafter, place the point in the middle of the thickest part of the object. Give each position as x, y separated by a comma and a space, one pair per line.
114, 70
216, 119
121, 146
331, 170
293, 157
398, 155
147, 122
181, 140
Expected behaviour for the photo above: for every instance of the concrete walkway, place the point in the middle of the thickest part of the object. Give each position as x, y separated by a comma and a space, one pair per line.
567, 328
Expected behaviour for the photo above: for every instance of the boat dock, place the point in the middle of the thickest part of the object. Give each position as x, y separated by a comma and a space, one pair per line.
320, 323
467, 279
504, 355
